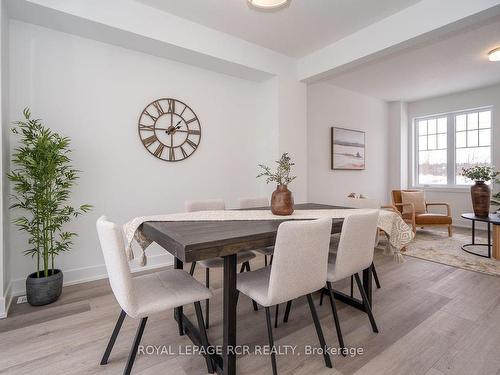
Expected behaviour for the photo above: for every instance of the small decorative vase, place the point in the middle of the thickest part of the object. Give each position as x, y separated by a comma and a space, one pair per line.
44, 290
481, 195
282, 201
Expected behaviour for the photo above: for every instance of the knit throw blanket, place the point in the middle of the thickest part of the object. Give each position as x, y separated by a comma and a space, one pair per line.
398, 232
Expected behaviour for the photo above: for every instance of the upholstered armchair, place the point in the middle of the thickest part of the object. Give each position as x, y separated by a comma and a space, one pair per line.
415, 210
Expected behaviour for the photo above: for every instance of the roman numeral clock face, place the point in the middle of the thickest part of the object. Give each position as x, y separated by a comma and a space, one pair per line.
169, 129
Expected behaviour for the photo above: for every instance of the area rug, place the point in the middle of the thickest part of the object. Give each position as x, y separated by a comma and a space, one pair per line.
438, 247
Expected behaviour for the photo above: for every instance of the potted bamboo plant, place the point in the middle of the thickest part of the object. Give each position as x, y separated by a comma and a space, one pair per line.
42, 178
282, 198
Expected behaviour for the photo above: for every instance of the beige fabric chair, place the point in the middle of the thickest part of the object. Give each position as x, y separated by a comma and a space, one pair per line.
364, 203
354, 254
253, 202
142, 296
299, 268
245, 203
204, 205
243, 257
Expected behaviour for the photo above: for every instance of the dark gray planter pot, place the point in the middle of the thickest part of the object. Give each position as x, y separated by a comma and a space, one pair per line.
44, 290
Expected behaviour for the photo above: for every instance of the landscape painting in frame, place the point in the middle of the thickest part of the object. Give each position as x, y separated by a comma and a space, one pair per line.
348, 149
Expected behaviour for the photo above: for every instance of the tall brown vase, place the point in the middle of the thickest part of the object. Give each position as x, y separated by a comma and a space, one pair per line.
282, 201
481, 195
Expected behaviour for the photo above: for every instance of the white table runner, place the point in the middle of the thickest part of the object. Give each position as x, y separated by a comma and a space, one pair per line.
398, 232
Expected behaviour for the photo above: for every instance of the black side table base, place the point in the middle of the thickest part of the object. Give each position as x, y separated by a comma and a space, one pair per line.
474, 253
488, 220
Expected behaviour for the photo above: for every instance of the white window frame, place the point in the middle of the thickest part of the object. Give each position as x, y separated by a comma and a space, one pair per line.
451, 149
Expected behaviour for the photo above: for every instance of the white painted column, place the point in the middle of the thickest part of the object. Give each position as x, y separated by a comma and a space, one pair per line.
398, 146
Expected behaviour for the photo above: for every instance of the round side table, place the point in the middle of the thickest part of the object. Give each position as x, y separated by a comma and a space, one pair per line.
489, 220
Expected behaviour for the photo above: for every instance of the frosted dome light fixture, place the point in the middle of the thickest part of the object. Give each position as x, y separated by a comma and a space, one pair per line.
494, 55
268, 4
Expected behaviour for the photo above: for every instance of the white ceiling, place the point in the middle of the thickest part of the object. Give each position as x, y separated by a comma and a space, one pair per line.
297, 30
456, 63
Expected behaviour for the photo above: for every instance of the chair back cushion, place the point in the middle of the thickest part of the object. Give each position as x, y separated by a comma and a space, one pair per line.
205, 205
300, 259
115, 258
253, 202
355, 251
415, 197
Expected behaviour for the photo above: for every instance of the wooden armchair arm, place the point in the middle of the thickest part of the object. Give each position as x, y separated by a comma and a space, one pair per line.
405, 204
448, 208
392, 208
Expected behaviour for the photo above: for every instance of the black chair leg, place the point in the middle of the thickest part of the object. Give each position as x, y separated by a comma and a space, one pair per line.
243, 267
287, 311
255, 306
319, 331
336, 318
193, 266
375, 276
271, 260
321, 297
352, 286
265, 260
276, 316
271, 340
207, 302
365, 303
113, 337
203, 336
135, 346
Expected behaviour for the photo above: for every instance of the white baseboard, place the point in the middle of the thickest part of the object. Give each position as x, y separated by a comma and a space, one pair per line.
97, 272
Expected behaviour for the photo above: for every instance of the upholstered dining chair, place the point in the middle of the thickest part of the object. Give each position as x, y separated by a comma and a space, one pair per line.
374, 204
299, 269
415, 210
141, 296
245, 203
354, 254
243, 257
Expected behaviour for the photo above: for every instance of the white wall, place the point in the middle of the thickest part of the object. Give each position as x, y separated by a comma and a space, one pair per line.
94, 92
4, 145
329, 106
460, 199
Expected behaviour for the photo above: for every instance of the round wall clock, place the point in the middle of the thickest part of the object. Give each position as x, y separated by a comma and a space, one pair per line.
169, 129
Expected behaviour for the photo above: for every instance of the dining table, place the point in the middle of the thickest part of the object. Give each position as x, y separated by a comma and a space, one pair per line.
192, 241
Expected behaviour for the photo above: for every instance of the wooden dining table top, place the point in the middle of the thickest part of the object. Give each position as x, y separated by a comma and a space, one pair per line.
198, 240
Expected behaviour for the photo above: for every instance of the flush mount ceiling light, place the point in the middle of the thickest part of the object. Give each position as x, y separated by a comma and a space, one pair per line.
494, 55
268, 4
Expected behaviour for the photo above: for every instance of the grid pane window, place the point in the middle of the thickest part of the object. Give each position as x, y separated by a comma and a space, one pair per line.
472, 142
447, 143
432, 150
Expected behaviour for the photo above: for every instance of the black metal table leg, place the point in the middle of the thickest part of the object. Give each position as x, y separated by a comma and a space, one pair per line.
489, 240
229, 315
367, 284
473, 232
178, 311
474, 244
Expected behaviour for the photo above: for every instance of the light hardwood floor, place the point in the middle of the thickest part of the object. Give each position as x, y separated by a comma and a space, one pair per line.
433, 320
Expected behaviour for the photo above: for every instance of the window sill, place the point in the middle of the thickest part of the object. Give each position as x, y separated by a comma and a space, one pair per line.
444, 189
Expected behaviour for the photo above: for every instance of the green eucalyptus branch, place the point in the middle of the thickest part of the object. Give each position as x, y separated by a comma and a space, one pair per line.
282, 174
480, 173
42, 179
